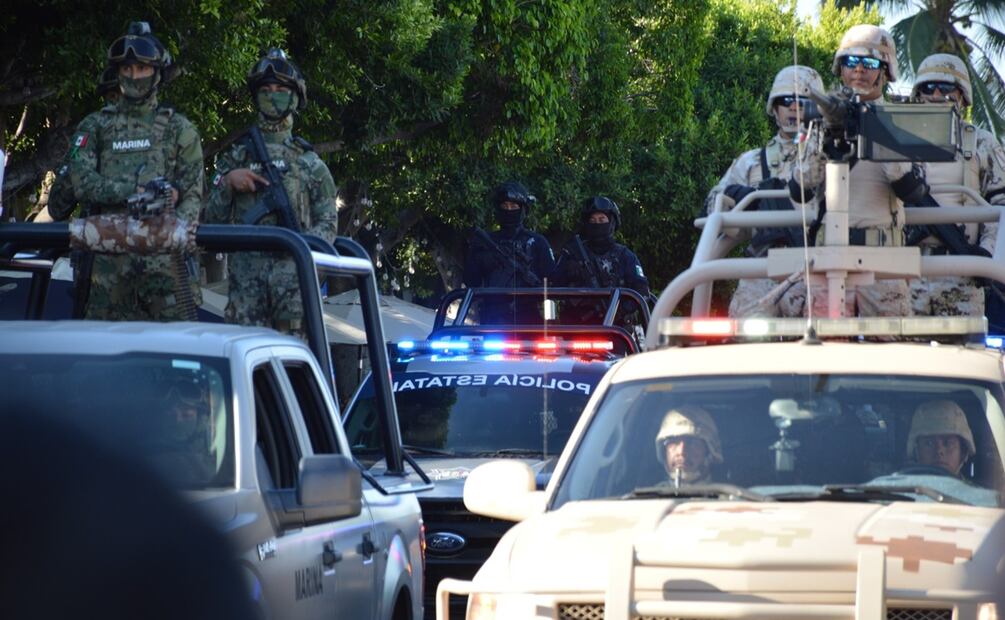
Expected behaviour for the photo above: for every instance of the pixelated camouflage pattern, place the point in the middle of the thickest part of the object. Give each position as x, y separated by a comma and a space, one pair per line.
121, 234
884, 298
114, 151
952, 296
955, 296
756, 297
263, 286
746, 169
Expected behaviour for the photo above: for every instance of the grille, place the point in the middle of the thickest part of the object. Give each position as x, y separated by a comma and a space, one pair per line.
901, 613
595, 611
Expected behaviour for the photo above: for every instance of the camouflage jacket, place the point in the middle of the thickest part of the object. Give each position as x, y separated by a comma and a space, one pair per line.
980, 166
126, 145
308, 183
746, 169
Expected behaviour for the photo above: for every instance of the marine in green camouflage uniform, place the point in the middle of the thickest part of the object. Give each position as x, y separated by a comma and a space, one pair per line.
263, 287
115, 152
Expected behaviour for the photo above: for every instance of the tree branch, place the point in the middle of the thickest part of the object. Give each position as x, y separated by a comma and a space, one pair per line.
26, 95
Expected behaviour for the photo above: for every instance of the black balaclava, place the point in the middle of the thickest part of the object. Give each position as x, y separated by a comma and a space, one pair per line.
510, 220
600, 237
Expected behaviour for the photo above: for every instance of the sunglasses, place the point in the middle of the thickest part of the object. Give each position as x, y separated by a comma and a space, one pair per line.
787, 100
867, 62
946, 88
141, 49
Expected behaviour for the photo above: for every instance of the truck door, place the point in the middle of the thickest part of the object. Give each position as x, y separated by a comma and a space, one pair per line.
295, 580
358, 553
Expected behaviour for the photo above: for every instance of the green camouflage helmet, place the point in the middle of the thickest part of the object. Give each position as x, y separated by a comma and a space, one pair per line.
275, 68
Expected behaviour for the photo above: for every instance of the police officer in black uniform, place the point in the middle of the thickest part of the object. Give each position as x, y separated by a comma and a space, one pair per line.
595, 259
511, 256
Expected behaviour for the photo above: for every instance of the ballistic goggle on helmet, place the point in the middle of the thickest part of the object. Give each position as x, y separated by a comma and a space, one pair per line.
275, 68
139, 45
601, 204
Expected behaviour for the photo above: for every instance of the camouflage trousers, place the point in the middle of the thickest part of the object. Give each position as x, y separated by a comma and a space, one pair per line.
135, 288
757, 298
884, 298
264, 291
951, 296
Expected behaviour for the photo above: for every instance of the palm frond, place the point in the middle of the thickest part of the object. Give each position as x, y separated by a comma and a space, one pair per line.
915, 37
989, 40
984, 10
989, 95
894, 6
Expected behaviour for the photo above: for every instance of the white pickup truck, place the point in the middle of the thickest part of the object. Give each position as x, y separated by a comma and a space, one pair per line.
244, 421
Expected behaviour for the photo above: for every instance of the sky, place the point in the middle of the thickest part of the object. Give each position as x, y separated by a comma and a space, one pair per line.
811, 9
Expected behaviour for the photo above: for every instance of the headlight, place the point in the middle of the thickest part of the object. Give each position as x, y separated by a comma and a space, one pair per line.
500, 607
987, 611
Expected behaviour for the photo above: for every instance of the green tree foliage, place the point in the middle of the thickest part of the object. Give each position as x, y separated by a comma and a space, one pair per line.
421, 106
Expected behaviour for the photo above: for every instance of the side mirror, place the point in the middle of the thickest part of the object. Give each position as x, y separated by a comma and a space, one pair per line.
329, 487
504, 490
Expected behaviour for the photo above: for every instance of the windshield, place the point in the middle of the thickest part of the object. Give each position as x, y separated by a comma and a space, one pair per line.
524, 414
791, 436
171, 411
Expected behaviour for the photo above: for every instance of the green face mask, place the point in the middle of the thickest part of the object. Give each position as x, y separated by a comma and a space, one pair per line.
275, 105
140, 88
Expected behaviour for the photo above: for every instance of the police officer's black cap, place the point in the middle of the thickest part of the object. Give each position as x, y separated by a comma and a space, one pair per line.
514, 192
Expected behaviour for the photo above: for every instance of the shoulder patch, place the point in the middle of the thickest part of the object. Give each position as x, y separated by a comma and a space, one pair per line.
79, 141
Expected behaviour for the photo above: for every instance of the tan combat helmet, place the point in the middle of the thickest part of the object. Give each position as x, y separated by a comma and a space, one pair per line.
868, 40
793, 80
945, 68
940, 417
689, 420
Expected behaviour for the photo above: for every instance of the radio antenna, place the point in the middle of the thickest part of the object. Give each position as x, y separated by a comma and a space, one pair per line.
801, 139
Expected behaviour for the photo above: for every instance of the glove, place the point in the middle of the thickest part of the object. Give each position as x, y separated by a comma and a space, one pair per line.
738, 192
976, 250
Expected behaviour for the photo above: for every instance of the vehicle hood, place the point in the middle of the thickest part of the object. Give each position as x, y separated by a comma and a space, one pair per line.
712, 546
449, 473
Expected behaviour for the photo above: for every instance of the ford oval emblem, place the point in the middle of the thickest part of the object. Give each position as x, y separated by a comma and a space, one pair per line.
445, 543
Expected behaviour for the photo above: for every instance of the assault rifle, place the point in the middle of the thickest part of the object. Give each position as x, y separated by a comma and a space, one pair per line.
153, 201
584, 257
517, 258
271, 198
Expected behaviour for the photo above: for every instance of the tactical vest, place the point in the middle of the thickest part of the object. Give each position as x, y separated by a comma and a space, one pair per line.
291, 158
873, 206
964, 171
133, 149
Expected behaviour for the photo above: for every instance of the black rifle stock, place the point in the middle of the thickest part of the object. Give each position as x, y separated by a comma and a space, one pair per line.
587, 263
524, 270
271, 198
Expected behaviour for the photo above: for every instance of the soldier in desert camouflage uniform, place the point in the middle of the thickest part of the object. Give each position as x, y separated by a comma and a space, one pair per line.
866, 62
768, 168
980, 166
263, 286
117, 151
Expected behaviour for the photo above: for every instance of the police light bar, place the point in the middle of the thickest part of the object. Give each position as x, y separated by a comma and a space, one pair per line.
497, 345
678, 330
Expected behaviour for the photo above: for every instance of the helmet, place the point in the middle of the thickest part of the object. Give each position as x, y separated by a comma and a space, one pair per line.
689, 420
511, 191
868, 40
794, 80
939, 417
944, 68
601, 204
275, 68
108, 81
139, 45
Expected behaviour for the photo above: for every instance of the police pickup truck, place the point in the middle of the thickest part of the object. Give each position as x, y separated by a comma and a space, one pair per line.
472, 392
820, 467
244, 421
